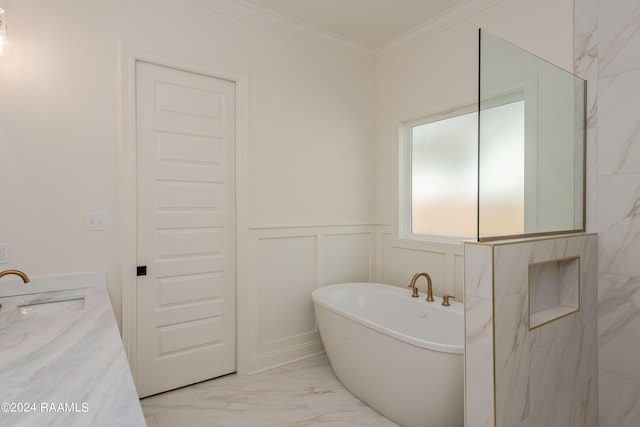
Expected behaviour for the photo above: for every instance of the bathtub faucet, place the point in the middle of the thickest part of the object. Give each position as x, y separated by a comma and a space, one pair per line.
22, 275
429, 288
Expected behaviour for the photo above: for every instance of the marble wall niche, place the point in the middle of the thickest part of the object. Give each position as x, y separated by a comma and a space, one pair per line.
554, 290
521, 376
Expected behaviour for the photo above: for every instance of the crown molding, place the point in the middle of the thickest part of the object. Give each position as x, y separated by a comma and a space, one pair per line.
439, 23
282, 24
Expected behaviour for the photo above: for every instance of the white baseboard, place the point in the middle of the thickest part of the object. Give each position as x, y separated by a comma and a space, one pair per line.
285, 356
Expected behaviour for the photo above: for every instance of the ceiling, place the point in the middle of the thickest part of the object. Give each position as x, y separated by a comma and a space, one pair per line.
371, 23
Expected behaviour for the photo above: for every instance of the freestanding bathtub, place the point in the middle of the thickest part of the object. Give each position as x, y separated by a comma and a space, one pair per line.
400, 355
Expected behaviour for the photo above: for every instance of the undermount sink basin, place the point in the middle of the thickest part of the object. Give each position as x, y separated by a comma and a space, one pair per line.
50, 308
38, 310
44, 304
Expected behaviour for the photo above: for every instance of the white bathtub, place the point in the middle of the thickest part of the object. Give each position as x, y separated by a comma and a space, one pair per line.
402, 356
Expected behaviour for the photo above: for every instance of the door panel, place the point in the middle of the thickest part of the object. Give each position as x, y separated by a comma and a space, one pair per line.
186, 228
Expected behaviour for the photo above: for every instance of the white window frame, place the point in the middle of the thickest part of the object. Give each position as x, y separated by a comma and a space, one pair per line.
401, 170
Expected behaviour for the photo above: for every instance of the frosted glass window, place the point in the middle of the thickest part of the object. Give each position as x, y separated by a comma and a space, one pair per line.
444, 177
444, 180
502, 205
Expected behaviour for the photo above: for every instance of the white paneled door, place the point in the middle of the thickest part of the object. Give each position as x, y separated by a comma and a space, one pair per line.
186, 327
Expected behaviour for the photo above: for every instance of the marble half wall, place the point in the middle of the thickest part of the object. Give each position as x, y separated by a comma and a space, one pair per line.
528, 373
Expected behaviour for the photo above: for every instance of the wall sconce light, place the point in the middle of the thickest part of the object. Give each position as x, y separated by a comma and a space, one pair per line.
3, 31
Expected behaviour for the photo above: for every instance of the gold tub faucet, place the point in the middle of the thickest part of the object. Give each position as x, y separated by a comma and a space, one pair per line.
22, 275
429, 288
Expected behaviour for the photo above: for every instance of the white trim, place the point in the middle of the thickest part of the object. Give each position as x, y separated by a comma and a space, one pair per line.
128, 205
440, 23
280, 23
264, 362
301, 226
446, 247
129, 57
242, 221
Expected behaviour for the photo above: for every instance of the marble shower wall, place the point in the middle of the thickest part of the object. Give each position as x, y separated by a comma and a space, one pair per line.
607, 46
545, 376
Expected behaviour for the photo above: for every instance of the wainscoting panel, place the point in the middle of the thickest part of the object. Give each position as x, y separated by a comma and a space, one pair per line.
348, 258
286, 265
286, 278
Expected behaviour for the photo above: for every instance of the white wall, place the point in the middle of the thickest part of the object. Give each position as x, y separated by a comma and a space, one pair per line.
438, 73
310, 161
318, 145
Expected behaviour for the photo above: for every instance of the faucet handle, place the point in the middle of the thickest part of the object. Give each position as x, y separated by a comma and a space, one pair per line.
445, 300
415, 293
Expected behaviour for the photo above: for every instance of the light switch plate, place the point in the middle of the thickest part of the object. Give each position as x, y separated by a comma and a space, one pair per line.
4, 253
95, 221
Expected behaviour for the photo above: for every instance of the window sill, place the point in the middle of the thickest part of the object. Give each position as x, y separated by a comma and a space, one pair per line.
452, 247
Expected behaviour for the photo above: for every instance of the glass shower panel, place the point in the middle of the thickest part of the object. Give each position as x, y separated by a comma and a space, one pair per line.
530, 144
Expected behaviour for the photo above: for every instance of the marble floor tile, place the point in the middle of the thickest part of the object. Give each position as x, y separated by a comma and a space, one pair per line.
305, 393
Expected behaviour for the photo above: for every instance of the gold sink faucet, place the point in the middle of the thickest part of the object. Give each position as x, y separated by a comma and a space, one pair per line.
22, 275
429, 288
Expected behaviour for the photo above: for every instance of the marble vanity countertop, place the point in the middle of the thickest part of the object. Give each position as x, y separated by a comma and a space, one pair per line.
62, 362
